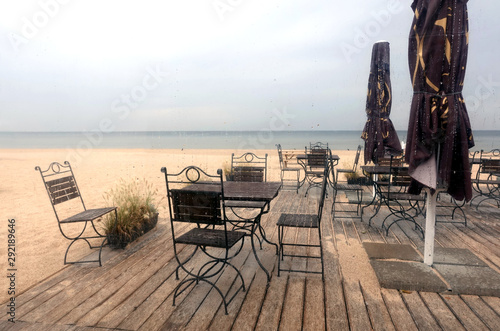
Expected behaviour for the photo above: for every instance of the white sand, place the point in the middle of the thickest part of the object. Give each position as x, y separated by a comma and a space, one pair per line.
40, 247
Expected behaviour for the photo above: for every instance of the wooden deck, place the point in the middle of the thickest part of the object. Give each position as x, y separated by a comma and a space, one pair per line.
133, 288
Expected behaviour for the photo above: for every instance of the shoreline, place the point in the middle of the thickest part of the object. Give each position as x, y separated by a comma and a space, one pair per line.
40, 247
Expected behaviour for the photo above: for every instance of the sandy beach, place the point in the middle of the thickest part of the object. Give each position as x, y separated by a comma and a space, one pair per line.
40, 247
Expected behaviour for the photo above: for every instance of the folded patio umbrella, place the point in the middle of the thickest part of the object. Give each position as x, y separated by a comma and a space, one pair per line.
439, 131
379, 134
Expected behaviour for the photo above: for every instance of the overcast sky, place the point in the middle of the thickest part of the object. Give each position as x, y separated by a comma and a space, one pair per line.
81, 65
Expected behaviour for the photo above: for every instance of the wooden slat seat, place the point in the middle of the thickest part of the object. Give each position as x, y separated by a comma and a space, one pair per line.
210, 238
88, 215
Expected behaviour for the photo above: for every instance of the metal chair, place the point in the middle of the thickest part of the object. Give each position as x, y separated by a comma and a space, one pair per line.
393, 194
304, 221
487, 181
247, 168
285, 168
315, 163
347, 187
61, 187
198, 198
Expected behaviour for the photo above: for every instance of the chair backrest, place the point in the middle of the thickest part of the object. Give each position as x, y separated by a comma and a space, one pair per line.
316, 158
280, 155
392, 160
324, 187
318, 145
356, 159
400, 177
60, 184
249, 168
489, 162
195, 196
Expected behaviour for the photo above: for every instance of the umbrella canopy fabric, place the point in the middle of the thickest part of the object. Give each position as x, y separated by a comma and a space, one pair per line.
379, 134
439, 131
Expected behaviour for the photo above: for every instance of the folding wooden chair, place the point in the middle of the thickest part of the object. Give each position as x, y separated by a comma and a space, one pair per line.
197, 198
61, 186
303, 221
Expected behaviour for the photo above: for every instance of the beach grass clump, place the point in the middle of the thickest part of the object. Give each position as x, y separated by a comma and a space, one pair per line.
137, 203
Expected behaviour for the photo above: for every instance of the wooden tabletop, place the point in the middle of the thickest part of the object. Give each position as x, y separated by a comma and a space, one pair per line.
380, 170
248, 191
304, 156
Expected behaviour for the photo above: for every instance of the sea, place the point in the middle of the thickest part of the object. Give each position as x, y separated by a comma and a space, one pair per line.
337, 140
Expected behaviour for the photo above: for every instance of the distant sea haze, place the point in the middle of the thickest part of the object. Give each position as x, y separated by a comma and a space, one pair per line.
244, 140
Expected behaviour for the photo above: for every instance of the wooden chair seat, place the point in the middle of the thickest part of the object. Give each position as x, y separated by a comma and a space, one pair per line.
298, 220
210, 237
88, 215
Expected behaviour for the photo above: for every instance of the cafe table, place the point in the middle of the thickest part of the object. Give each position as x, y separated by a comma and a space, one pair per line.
373, 171
302, 160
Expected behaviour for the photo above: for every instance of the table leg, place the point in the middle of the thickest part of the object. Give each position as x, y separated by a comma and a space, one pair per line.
252, 236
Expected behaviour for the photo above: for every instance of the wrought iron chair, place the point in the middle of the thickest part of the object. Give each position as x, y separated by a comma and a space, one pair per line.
198, 198
393, 194
286, 181
247, 168
487, 181
347, 187
61, 186
315, 163
304, 221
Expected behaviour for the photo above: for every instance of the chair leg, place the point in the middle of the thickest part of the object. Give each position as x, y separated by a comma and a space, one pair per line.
321, 254
280, 248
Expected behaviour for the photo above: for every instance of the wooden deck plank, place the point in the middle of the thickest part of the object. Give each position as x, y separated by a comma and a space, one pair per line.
419, 311
314, 305
162, 295
466, 316
444, 316
85, 298
483, 311
292, 314
356, 307
377, 311
113, 294
114, 317
397, 309
493, 303
134, 301
227, 283
335, 307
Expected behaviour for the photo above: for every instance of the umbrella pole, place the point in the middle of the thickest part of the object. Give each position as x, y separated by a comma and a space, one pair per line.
430, 227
